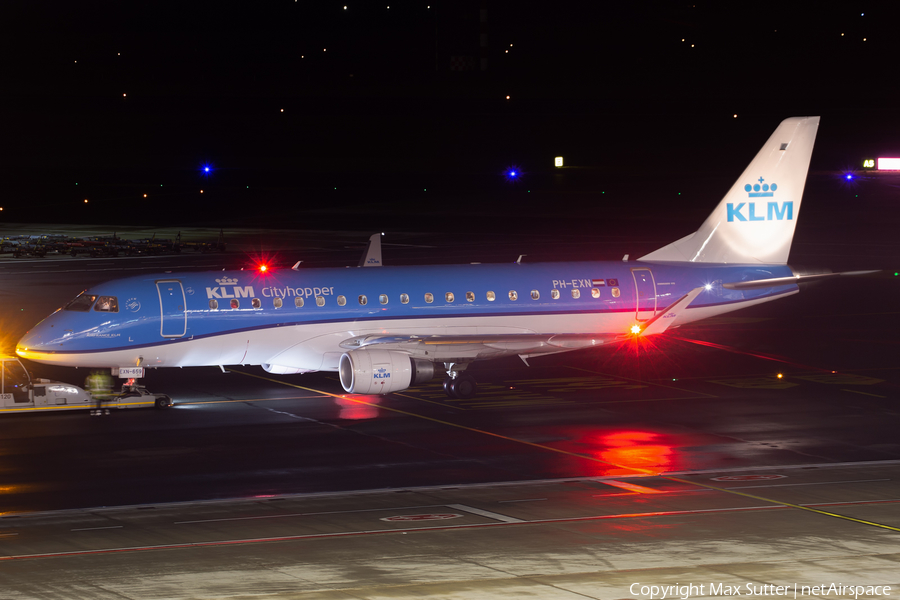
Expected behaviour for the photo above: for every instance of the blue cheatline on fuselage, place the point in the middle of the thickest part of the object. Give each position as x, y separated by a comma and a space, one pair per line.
415, 318
146, 317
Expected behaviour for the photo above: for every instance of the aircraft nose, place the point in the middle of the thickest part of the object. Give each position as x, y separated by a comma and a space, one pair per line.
35, 339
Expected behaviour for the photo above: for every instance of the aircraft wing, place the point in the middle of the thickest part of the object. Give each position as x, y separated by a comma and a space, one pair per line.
468, 348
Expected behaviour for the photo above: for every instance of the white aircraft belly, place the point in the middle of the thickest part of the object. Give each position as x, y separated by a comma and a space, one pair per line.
317, 346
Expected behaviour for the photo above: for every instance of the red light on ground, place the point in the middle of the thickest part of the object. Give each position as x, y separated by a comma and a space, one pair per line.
632, 451
360, 410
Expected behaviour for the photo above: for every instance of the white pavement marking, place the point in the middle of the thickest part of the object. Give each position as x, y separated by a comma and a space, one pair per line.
96, 528
485, 513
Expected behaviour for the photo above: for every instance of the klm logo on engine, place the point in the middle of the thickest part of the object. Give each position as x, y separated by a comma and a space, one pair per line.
381, 374
773, 212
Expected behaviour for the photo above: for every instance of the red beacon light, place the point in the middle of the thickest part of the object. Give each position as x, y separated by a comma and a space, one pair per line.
263, 268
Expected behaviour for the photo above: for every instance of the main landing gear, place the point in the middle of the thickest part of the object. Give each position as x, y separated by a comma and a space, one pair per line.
457, 384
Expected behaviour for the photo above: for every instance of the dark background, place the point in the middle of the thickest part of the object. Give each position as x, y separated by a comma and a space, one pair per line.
314, 116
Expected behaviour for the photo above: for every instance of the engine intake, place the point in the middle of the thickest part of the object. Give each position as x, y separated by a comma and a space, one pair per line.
381, 371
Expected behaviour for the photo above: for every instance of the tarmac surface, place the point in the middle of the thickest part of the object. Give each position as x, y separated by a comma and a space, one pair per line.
576, 477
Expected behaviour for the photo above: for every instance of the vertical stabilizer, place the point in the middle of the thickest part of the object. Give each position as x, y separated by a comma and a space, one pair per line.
755, 221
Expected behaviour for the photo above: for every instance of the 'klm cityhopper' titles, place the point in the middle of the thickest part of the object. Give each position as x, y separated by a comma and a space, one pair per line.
228, 289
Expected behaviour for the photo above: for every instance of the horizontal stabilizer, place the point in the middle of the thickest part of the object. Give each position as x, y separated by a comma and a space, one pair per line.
776, 281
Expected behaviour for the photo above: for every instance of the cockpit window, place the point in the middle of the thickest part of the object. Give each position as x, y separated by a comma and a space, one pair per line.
107, 304
82, 303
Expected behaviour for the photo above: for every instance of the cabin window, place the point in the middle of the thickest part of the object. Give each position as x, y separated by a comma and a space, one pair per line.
81, 303
235, 303
382, 298
363, 300
107, 304
214, 304
298, 302
554, 294
513, 295
595, 293
491, 296
576, 293
255, 303
429, 297
341, 300
277, 303
404, 298
448, 296
535, 295
615, 292
470, 296
320, 300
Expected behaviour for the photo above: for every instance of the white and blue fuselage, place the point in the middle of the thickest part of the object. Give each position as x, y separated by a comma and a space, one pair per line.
386, 328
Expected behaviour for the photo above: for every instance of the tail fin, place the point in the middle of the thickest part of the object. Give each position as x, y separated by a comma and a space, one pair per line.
754, 222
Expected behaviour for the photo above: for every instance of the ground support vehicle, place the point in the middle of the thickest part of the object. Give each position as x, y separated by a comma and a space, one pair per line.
19, 393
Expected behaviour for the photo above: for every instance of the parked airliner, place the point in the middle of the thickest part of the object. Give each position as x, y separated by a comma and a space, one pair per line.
388, 328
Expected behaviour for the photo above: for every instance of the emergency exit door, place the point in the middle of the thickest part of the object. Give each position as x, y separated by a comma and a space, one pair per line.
645, 294
173, 317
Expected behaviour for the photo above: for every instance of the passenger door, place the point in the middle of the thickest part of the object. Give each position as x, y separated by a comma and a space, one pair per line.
645, 294
173, 316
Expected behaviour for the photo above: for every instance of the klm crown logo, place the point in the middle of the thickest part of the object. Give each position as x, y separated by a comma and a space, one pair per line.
226, 281
761, 190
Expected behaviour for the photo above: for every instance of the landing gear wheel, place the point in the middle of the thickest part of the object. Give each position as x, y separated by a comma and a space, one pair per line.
448, 387
463, 387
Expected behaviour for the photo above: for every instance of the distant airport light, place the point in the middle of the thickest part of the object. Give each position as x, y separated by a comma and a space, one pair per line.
849, 176
868, 163
558, 161
889, 164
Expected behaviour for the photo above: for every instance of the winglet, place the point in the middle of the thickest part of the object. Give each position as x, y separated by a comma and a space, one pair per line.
669, 315
372, 256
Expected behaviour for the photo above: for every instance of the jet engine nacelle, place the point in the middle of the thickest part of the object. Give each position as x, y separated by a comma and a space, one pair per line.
283, 370
381, 371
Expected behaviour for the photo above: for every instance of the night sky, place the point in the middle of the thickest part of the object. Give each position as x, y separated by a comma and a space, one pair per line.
313, 114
